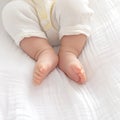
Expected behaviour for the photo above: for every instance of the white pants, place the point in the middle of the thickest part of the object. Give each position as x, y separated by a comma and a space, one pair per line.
70, 17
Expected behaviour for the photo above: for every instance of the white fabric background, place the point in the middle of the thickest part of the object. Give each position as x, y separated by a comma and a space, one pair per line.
58, 98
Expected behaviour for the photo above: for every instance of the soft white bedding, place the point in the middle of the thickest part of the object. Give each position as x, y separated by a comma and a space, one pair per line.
58, 98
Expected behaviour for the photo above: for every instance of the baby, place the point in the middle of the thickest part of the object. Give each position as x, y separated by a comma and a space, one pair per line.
38, 25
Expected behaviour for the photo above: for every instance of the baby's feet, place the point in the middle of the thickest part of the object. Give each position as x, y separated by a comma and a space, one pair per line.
46, 62
69, 64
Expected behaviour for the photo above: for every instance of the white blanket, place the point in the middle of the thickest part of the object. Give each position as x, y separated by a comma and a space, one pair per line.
59, 98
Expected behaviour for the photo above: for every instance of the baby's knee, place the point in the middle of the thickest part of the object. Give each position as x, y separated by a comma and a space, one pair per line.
18, 18
73, 17
11, 8
14, 9
74, 8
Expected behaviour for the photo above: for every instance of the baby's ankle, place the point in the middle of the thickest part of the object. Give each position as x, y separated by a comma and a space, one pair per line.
45, 50
73, 44
68, 50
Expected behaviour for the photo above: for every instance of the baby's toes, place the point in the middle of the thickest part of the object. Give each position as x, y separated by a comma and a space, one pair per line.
82, 77
80, 73
39, 74
36, 79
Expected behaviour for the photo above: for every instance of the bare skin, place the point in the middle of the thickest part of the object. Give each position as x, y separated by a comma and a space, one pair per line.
46, 58
71, 47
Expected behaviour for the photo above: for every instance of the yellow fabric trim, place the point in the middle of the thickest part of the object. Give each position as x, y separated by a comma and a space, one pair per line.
39, 6
51, 10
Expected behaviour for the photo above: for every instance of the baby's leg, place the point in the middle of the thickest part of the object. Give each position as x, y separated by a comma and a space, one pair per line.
71, 47
21, 23
43, 53
73, 19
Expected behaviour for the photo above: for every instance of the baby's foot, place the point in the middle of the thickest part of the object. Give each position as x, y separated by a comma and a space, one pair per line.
70, 65
46, 62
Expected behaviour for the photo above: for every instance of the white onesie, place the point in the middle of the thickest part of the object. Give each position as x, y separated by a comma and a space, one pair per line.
50, 19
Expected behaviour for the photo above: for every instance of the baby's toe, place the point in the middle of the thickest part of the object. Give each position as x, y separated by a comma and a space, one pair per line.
80, 73
82, 77
39, 74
